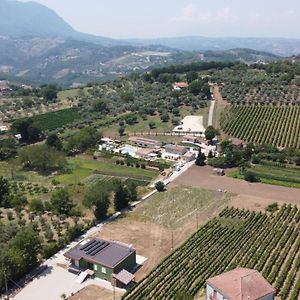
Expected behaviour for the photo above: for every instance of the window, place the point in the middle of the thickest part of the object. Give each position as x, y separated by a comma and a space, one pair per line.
96, 267
103, 270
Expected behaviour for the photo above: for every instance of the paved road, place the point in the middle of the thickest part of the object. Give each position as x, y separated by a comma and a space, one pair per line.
211, 112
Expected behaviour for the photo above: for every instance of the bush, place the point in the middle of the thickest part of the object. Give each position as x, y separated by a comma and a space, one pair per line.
160, 186
272, 207
251, 177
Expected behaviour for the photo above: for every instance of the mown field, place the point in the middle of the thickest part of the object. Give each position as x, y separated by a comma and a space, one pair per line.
275, 125
267, 243
83, 168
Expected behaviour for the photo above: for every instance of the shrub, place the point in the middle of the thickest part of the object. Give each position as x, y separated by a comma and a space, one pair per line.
251, 177
160, 186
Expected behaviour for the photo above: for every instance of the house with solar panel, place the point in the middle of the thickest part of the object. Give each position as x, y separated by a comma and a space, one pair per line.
108, 260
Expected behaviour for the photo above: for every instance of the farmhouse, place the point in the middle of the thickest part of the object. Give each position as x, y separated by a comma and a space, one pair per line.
144, 143
239, 284
146, 153
174, 152
189, 156
180, 85
105, 259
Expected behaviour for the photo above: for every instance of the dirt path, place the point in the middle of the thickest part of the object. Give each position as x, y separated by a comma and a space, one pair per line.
203, 177
219, 106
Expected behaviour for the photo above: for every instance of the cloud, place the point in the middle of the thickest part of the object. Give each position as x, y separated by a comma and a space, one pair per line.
192, 13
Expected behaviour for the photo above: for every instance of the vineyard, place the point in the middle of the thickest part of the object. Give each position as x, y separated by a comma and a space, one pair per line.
267, 243
275, 125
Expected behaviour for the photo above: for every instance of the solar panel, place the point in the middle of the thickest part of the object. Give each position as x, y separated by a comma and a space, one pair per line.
90, 246
87, 244
99, 249
94, 247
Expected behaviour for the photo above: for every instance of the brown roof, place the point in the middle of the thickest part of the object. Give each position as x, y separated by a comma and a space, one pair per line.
98, 251
181, 84
241, 284
144, 151
124, 276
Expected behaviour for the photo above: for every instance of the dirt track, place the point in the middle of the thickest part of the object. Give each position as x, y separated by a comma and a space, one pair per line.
203, 177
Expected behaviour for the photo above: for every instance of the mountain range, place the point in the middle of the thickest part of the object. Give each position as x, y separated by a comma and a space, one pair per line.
37, 45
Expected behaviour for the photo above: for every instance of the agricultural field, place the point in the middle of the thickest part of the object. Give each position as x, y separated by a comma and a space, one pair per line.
263, 124
80, 169
56, 119
266, 242
248, 86
284, 176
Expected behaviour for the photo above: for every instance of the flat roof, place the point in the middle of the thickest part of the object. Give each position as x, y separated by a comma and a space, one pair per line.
102, 252
241, 284
143, 140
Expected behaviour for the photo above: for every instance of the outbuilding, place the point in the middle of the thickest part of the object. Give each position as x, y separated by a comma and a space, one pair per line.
106, 259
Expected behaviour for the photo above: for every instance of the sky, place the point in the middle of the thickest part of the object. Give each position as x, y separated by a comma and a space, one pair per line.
169, 18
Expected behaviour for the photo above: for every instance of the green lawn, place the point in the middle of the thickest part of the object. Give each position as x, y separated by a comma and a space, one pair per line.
82, 168
289, 177
179, 204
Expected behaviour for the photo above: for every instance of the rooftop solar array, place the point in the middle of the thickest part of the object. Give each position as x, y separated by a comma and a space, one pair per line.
100, 251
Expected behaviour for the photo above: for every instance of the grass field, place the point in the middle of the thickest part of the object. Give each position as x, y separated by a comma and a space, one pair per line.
288, 177
177, 205
82, 168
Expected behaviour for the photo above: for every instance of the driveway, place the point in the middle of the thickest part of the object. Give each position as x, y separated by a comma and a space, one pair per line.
211, 112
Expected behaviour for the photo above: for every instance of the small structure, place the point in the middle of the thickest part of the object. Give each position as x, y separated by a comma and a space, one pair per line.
174, 152
189, 156
3, 128
180, 85
104, 258
219, 172
146, 153
144, 143
239, 284
107, 144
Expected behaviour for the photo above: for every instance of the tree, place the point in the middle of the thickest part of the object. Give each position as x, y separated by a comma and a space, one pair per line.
121, 198
54, 141
165, 117
97, 197
210, 133
199, 86
4, 191
36, 205
100, 106
200, 160
132, 191
30, 133
191, 76
49, 92
61, 202
160, 186
121, 130
152, 125
28, 242
42, 158
82, 140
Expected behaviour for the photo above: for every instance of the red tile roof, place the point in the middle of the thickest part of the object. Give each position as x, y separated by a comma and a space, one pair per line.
241, 284
181, 84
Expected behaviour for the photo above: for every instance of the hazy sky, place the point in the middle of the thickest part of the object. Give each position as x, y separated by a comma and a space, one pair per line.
161, 18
